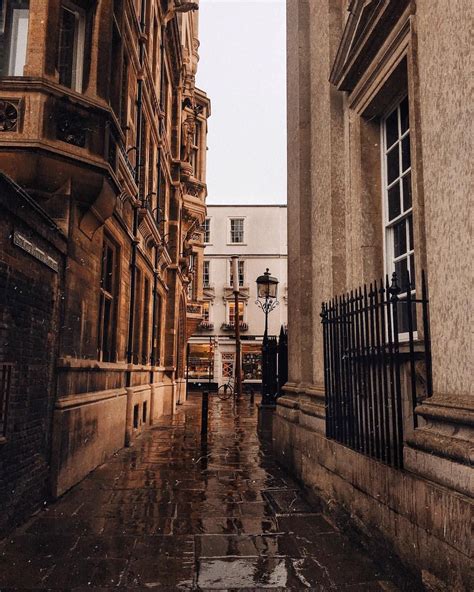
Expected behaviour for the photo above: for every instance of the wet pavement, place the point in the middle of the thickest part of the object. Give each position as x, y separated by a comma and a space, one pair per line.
175, 512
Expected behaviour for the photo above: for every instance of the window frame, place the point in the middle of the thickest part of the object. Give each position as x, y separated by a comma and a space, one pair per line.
240, 272
231, 305
112, 298
17, 15
207, 230
206, 274
232, 219
388, 225
77, 73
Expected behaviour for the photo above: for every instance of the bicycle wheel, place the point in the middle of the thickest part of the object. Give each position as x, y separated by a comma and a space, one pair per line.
224, 392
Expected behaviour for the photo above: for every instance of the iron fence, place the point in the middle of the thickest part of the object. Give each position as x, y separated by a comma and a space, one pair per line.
370, 338
274, 366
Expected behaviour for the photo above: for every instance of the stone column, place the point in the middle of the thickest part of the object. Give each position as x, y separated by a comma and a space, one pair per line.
446, 130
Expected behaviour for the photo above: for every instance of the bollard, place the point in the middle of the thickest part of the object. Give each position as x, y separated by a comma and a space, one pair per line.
204, 412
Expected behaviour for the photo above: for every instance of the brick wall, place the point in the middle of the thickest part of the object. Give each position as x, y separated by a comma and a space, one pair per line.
30, 302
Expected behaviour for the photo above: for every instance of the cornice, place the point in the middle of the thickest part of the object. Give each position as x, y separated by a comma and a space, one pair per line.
368, 25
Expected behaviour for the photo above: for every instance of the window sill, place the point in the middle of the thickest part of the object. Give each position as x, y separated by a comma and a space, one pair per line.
236, 244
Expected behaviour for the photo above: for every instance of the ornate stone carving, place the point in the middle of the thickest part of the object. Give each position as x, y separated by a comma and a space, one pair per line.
8, 116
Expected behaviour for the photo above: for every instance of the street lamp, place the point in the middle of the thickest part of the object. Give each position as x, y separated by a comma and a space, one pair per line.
267, 290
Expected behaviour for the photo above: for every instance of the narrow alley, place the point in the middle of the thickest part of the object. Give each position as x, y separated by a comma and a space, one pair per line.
177, 512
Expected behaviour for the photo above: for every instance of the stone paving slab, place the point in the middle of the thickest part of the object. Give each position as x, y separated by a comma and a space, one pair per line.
179, 513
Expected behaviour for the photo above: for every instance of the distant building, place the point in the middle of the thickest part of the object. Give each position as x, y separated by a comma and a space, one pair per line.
258, 235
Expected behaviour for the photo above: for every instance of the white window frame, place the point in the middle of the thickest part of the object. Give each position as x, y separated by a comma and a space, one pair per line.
231, 219
241, 263
208, 222
79, 44
17, 60
230, 304
388, 225
206, 263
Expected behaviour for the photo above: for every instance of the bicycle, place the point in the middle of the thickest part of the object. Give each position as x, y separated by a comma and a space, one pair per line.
225, 391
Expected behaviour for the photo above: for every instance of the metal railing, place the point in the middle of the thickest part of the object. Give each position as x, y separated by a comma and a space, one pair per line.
370, 344
274, 366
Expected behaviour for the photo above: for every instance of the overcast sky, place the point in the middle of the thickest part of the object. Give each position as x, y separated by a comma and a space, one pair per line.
243, 69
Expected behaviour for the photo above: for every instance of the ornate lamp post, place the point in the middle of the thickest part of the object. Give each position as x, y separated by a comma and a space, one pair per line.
267, 291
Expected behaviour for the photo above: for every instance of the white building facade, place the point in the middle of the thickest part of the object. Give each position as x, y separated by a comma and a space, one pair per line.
258, 235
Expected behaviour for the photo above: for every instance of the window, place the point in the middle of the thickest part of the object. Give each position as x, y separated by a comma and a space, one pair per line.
231, 309
207, 230
14, 20
156, 348
241, 272
227, 365
399, 246
236, 230
195, 150
107, 305
146, 323
71, 46
205, 312
206, 273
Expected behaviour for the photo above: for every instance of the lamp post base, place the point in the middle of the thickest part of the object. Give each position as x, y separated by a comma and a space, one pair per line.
265, 420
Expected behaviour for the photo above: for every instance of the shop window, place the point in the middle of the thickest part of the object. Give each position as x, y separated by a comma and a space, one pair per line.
201, 361
108, 297
14, 21
71, 46
252, 362
398, 207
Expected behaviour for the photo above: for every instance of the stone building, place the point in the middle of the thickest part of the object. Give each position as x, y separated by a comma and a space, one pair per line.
380, 137
258, 235
103, 129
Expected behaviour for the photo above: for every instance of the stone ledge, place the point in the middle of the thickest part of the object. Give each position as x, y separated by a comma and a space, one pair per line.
89, 398
288, 403
448, 447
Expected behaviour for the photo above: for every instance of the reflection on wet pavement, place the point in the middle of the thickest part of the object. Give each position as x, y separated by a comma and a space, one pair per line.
178, 513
